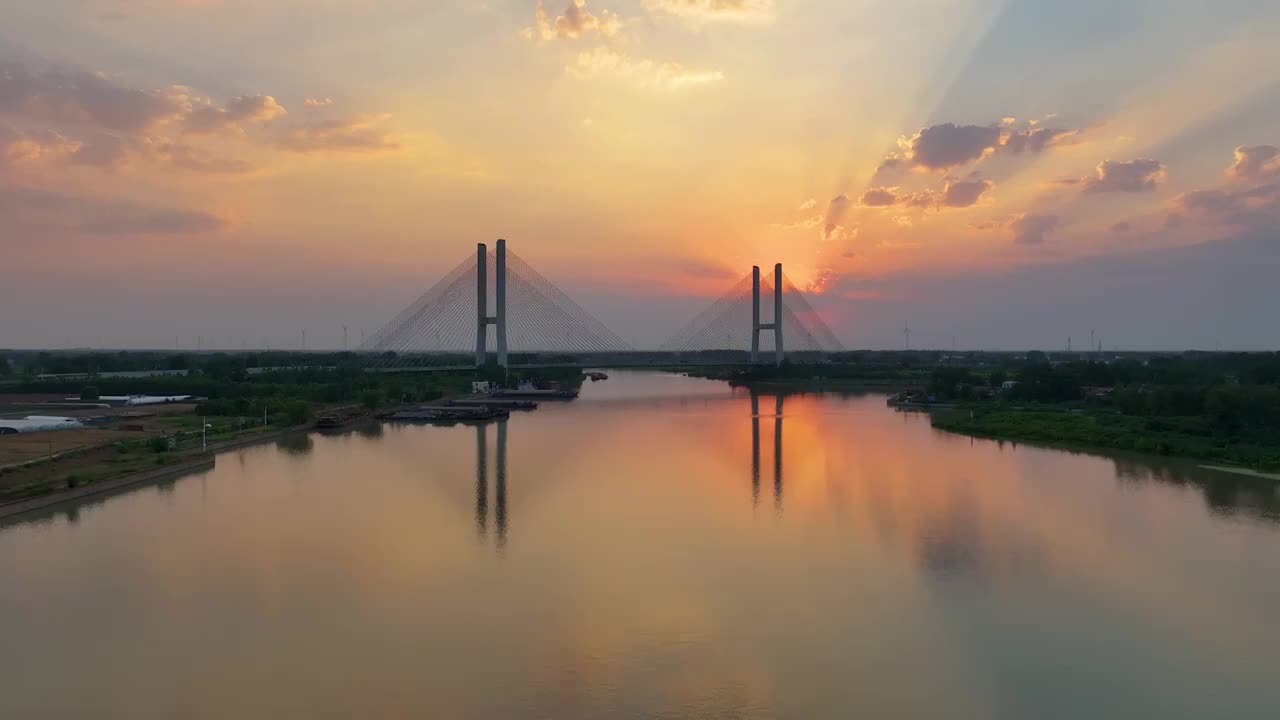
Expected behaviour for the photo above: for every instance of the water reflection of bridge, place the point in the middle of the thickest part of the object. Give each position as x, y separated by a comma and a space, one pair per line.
777, 449
500, 482
499, 504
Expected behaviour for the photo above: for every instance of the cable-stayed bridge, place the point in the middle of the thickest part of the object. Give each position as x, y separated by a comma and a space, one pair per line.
521, 315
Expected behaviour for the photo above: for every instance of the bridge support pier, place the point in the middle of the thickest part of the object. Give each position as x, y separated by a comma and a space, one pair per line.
483, 318
779, 349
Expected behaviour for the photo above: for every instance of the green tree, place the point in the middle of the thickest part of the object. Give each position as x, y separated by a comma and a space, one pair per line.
297, 411
373, 398
89, 392
951, 382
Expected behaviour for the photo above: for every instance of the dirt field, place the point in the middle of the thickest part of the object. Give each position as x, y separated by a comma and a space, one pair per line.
31, 446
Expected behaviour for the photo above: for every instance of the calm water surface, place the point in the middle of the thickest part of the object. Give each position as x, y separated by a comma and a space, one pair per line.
652, 550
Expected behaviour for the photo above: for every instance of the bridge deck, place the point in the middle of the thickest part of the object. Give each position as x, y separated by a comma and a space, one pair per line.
623, 365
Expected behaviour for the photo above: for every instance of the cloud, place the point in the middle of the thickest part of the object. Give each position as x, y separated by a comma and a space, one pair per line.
839, 233
317, 102
20, 146
1132, 176
946, 146
964, 193
234, 115
83, 99
604, 61
1037, 139
940, 148
104, 151
1260, 161
1254, 208
355, 135
39, 211
1033, 229
575, 22
1122, 227
954, 194
704, 11
879, 197
836, 209
1209, 201
809, 204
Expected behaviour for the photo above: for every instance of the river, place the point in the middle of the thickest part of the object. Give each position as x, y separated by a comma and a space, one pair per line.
652, 550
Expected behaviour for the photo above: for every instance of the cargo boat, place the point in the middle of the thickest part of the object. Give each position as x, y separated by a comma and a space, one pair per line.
337, 420
449, 414
534, 394
502, 403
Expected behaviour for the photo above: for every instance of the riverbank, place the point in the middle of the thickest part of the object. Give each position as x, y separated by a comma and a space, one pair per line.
107, 468
812, 378
1085, 430
203, 461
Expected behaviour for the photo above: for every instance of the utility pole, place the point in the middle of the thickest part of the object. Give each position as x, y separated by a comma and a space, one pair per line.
304, 340
344, 338
906, 337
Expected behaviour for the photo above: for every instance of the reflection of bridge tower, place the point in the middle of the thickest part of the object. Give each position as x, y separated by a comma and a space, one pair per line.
755, 449
499, 318
776, 325
482, 482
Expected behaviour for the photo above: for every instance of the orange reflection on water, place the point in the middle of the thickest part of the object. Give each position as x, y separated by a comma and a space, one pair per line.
655, 547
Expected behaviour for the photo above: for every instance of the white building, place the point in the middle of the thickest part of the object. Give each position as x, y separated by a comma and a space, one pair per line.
37, 423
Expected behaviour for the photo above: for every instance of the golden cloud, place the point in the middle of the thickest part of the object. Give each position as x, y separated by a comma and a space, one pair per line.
644, 73
575, 22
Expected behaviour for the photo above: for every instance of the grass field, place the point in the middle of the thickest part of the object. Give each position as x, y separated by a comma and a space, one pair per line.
1189, 437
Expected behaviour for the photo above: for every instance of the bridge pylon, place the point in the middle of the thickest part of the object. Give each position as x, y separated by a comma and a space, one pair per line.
775, 326
499, 317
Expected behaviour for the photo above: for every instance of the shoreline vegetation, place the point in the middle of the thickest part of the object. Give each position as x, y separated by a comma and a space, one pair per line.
1075, 430
236, 399
1216, 408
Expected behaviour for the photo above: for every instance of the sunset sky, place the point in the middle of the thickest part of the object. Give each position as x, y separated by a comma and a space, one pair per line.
1006, 173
